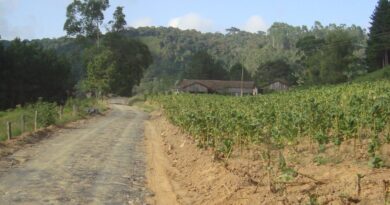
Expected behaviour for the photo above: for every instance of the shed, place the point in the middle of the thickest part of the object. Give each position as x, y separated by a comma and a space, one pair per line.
277, 85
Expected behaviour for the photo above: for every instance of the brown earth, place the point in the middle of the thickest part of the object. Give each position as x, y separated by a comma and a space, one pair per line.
178, 172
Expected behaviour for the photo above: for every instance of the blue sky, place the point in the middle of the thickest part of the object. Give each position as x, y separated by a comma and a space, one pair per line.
30, 19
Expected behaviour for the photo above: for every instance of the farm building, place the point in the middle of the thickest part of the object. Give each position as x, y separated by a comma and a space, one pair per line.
216, 86
277, 85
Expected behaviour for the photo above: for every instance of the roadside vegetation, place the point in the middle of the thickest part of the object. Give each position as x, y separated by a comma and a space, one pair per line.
381, 74
43, 86
47, 114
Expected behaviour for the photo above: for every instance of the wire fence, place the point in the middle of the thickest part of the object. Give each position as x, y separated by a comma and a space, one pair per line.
32, 118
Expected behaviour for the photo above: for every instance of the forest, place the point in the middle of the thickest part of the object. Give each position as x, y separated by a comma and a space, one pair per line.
299, 55
126, 60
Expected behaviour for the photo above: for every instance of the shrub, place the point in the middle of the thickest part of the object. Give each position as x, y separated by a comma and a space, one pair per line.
46, 113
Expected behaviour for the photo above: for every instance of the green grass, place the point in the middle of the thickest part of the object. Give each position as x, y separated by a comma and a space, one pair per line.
140, 102
146, 107
14, 115
381, 74
136, 99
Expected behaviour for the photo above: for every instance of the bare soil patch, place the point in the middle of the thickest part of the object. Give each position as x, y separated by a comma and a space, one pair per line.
181, 173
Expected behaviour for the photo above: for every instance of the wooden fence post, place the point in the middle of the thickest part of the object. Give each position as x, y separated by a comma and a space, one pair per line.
9, 130
61, 112
36, 120
74, 110
22, 123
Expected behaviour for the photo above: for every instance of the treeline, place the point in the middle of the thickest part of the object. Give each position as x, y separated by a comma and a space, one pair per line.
113, 64
296, 54
115, 67
29, 72
299, 55
84, 62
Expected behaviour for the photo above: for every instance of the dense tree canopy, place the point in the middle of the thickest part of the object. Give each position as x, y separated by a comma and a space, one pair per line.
304, 49
320, 54
203, 67
278, 69
28, 72
119, 22
84, 17
117, 66
379, 37
332, 59
237, 71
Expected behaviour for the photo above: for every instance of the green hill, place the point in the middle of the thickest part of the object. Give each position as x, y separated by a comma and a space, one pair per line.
376, 75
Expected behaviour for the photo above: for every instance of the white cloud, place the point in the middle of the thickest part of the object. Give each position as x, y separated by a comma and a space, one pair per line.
142, 22
254, 24
192, 21
9, 31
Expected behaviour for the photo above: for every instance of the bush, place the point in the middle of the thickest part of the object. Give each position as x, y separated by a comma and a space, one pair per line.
386, 74
46, 113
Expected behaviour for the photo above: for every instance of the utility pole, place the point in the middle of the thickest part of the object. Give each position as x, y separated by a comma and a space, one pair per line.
98, 36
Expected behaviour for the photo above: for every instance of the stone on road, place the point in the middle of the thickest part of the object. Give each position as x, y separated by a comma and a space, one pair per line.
100, 162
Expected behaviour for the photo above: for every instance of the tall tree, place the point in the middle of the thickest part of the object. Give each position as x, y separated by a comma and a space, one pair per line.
85, 17
329, 60
278, 69
117, 66
73, 24
233, 30
29, 72
100, 69
237, 70
379, 37
119, 22
202, 66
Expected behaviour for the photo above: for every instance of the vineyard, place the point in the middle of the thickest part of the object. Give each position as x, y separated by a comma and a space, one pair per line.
324, 116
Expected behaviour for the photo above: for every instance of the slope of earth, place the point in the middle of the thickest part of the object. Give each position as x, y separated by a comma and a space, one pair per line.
179, 172
99, 162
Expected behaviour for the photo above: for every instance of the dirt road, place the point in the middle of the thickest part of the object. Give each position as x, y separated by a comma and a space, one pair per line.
100, 162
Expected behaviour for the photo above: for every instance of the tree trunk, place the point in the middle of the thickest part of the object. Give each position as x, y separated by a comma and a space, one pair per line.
98, 34
242, 80
273, 42
383, 62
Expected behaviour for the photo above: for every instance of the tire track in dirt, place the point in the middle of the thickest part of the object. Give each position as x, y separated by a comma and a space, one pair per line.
101, 162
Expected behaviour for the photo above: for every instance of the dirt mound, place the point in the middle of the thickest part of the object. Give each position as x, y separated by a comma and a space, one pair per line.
181, 173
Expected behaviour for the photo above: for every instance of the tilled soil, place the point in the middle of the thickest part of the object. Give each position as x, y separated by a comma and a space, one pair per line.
100, 162
179, 172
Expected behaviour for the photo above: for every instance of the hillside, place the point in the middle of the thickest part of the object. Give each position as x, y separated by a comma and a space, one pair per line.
381, 74
265, 55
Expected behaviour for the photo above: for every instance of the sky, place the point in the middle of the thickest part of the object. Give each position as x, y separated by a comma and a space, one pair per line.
35, 19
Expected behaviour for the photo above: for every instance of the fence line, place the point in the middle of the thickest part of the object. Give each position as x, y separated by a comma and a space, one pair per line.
10, 124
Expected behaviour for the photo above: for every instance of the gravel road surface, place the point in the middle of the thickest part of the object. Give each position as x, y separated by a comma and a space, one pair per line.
99, 162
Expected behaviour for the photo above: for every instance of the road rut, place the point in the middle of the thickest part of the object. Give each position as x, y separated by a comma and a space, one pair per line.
101, 162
